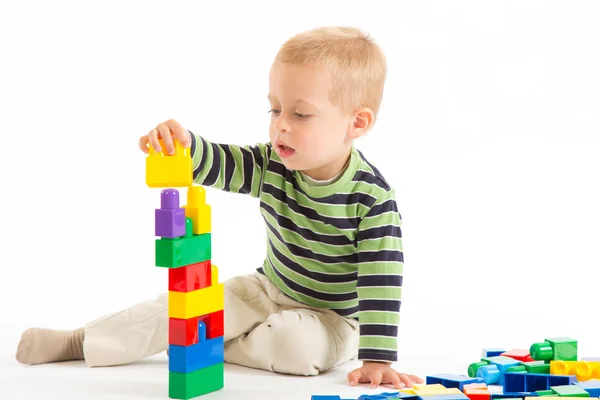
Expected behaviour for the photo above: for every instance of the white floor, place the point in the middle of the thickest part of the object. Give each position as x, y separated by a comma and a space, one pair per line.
148, 380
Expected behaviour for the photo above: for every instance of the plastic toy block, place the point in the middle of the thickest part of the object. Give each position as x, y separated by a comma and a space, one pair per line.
537, 367
214, 271
163, 170
518, 354
214, 323
185, 359
169, 219
591, 386
387, 396
531, 383
433, 391
185, 305
583, 370
175, 253
570, 391
452, 381
197, 383
494, 372
423, 386
491, 352
472, 370
518, 368
555, 349
190, 277
186, 332
546, 393
446, 396
514, 396
477, 391
197, 209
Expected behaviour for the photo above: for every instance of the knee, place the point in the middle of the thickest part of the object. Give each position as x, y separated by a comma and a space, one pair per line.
300, 343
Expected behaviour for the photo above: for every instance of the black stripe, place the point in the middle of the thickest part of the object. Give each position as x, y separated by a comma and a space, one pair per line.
364, 176
321, 258
379, 232
248, 166
344, 312
377, 354
318, 276
307, 234
381, 255
339, 223
229, 167
379, 330
329, 297
258, 158
338, 198
379, 305
378, 174
202, 162
379, 280
386, 206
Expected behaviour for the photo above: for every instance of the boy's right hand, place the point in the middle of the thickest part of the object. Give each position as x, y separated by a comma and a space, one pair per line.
167, 131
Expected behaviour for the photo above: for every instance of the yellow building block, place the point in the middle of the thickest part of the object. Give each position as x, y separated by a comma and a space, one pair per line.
436, 391
185, 305
583, 370
163, 170
197, 209
214, 274
424, 388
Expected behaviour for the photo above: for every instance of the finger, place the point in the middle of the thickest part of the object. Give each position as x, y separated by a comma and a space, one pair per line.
180, 133
354, 376
406, 380
165, 135
416, 379
144, 144
376, 378
396, 381
153, 138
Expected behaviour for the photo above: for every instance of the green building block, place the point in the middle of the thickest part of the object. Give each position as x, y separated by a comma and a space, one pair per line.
178, 252
472, 370
546, 393
518, 368
570, 391
196, 383
563, 348
537, 367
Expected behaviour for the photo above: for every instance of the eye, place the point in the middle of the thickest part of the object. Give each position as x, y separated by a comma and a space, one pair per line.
274, 111
301, 116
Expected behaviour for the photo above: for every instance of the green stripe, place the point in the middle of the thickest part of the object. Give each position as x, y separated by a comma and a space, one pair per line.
385, 343
387, 318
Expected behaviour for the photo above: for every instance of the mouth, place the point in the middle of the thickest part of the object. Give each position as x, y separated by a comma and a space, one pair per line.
283, 150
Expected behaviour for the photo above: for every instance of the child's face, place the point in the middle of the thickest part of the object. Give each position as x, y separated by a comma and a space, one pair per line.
309, 133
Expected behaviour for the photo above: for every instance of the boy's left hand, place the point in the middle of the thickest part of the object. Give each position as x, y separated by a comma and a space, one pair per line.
381, 373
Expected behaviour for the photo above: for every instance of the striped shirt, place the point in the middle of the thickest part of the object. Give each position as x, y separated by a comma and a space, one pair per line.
337, 246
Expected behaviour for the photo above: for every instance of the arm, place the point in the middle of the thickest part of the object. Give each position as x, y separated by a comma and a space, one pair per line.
229, 167
379, 286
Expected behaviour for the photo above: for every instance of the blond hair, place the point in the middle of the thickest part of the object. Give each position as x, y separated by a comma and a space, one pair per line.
357, 64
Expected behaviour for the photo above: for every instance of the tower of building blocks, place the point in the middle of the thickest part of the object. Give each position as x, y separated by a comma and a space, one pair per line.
196, 298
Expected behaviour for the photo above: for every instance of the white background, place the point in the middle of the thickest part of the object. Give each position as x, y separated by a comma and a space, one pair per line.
489, 132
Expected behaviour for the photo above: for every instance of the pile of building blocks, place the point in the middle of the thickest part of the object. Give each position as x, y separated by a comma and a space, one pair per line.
196, 298
549, 369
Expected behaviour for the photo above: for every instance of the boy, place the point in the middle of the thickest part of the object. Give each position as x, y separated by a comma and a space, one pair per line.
330, 287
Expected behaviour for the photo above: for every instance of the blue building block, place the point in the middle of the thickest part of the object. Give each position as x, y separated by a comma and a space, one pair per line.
445, 396
388, 395
527, 383
592, 387
452, 381
186, 359
493, 374
492, 352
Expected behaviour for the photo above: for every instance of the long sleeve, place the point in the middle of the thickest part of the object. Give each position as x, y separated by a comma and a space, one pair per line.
379, 286
232, 168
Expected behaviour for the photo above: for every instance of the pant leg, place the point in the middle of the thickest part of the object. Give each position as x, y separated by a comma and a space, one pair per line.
128, 335
297, 339
141, 330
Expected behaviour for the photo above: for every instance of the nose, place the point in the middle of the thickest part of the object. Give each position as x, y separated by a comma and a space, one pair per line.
281, 124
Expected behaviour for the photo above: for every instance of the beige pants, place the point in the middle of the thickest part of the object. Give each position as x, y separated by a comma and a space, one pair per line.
264, 329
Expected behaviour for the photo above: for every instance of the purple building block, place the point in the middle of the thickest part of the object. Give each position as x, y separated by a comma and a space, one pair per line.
169, 219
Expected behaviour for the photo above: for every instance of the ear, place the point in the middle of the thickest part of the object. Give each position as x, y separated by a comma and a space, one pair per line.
363, 119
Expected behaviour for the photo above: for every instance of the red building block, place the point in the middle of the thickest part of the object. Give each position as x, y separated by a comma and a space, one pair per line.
477, 391
214, 324
190, 277
184, 332
518, 354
